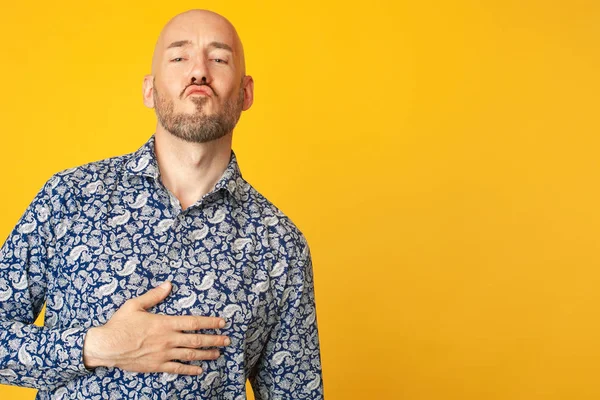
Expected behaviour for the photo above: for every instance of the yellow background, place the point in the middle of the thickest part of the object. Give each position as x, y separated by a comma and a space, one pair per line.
440, 156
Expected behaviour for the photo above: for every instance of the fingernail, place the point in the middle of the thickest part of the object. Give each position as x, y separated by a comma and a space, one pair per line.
164, 285
227, 342
221, 323
199, 371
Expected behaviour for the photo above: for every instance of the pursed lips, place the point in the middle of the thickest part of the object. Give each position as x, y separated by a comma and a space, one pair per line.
198, 90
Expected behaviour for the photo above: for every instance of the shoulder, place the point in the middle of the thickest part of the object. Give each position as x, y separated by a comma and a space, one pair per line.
87, 178
68, 189
281, 232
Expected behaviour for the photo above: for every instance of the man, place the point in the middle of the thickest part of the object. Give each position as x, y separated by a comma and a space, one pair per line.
236, 300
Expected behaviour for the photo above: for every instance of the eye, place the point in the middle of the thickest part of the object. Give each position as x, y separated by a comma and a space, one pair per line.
220, 61
177, 59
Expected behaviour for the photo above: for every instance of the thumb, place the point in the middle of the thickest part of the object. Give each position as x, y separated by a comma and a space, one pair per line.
154, 296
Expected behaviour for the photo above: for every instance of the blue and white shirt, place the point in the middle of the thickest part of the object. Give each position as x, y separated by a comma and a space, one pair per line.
105, 232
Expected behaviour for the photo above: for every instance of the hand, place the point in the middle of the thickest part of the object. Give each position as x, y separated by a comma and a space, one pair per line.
136, 340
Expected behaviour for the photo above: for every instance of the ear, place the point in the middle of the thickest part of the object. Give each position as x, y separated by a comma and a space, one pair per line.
148, 93
248, 86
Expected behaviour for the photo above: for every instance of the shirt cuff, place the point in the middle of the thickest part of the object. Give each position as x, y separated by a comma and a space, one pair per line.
68, 351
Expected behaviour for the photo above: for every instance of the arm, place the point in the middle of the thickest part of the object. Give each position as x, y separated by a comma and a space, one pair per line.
46, 358
34, 356
290, 366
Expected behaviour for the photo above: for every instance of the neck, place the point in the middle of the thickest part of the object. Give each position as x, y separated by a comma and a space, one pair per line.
190, 170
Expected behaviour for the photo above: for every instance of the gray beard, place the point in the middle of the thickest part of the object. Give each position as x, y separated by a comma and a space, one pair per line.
198, 127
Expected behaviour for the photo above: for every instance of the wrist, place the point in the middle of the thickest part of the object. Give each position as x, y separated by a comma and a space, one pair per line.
93, 355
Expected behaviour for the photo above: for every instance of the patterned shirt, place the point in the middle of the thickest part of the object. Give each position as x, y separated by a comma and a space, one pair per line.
105, 232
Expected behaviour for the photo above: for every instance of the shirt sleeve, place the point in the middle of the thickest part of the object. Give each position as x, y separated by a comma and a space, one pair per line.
290, 366
31, 356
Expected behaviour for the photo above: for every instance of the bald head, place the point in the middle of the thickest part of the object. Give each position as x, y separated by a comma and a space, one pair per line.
198, 85
199, 27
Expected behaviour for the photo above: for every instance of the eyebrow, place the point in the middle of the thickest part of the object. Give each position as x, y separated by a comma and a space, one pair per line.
218, 45
179, 43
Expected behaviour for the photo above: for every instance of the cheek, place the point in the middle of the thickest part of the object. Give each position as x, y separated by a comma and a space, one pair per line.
226, 90
169, 86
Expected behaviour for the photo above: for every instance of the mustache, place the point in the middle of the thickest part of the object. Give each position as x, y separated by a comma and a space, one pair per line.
196, 84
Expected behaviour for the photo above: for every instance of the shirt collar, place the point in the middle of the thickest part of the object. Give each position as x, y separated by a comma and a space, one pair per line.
143, 163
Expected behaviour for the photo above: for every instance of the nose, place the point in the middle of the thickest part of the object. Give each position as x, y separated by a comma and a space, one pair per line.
199, 73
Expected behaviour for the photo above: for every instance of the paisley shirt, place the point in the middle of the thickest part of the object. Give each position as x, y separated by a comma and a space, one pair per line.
105, 232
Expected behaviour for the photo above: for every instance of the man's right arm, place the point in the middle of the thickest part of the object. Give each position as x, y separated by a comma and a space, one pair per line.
33, 356
46, 358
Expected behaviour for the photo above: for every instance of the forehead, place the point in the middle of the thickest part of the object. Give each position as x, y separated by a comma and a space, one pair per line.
198, 31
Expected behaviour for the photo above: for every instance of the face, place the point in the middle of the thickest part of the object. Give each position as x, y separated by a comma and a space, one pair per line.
198, 88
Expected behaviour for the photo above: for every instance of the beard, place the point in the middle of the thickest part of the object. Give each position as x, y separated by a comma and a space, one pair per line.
198, 127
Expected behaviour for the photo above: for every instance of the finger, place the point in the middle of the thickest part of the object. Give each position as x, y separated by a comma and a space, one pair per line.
193, 354
153, 296
193, 323
180, 369
194, 341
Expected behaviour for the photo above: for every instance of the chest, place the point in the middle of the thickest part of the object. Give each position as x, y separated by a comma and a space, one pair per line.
219, 260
